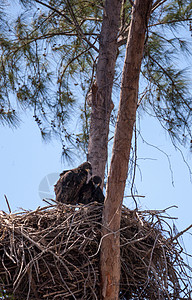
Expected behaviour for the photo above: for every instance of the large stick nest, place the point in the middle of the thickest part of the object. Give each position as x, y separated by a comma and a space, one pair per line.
53, 253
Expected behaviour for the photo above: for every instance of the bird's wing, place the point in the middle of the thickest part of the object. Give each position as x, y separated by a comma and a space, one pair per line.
85, 193
67, 178
98, 195
69, 184
63, 181
64, 188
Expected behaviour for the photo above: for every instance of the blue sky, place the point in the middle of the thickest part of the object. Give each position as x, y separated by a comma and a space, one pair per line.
25, 160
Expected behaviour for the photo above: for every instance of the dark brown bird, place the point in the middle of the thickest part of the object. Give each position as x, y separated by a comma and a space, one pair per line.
91, 191
70, 182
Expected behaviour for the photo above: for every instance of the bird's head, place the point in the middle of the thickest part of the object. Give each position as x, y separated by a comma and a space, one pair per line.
87, 167
96, 180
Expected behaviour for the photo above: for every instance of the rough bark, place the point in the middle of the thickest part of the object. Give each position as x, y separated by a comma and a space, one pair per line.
110, 248
101, 102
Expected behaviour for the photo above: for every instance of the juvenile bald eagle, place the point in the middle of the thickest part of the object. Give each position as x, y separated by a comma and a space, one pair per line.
91, 191
70, 182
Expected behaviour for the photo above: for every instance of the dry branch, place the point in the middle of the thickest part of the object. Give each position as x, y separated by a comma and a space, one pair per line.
53, 253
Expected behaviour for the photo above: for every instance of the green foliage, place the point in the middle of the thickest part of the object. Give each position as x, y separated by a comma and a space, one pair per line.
167, 89
177, 11
44, 52
48, 58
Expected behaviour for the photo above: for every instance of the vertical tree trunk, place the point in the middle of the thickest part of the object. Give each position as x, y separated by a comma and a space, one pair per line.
101, 102
110, 248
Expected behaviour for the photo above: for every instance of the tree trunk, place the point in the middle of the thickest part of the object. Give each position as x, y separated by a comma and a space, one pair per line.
101, 102
110, 248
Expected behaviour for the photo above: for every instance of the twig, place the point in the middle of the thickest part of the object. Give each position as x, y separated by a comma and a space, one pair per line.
180, 233
54, 251
7, 204
134, 168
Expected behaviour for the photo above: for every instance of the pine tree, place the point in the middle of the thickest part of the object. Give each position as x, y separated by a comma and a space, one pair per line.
50, 54
85, 43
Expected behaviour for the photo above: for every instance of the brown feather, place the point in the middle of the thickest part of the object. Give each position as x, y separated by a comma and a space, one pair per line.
70, 182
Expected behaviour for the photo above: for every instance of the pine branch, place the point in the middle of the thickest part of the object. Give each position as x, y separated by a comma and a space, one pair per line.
55, 10
171, 22
72, 60
157, 4
171, 79
79, 28
75, 22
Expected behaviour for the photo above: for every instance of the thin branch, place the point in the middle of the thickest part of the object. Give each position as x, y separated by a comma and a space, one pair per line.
47, 36
183, 157
180, 233
55, 10
69, 62
169, 76
7, 204
134, 169
170, 22
131, 2
75, 22
169, 161
156, 211
157, 4
78, 27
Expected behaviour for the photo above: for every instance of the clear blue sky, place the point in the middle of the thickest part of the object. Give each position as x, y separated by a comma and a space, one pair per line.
25, 160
